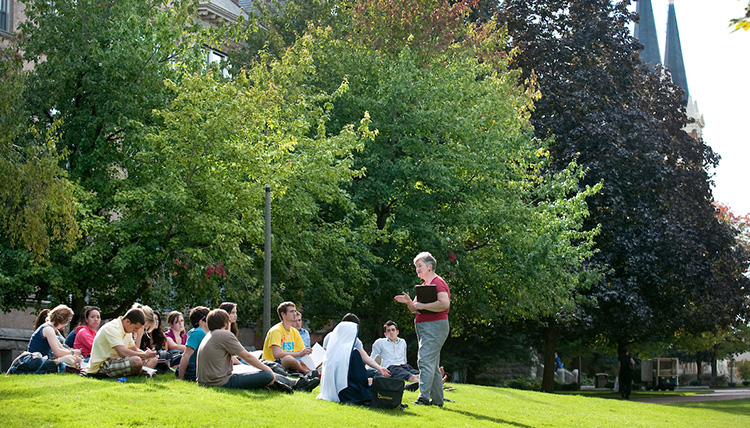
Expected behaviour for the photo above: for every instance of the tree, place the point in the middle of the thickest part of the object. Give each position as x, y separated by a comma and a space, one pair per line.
668, 261
453, 167
38, 206
98, 72
199, 192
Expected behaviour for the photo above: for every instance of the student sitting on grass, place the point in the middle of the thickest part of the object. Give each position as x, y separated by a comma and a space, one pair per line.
344, 377
392, 350
114, 353
195, 336
176, 336
86, 332
48, 341
283, 343
214, 362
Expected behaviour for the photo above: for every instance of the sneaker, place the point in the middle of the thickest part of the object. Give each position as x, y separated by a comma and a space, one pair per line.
71, 369
313, 373
306, 384
413, 386
280, 387
422, 402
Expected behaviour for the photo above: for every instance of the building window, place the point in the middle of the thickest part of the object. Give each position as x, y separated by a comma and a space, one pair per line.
4, 15
214, 56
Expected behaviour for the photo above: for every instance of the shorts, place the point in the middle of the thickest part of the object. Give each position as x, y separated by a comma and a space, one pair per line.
402, 371
115, 368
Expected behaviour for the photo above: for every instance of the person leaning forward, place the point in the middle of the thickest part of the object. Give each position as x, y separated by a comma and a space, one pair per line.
114, 353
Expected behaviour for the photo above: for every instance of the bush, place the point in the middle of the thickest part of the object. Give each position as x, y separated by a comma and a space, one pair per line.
526, 384
743, 368
746, 382
585, 380
567, 386
717, 381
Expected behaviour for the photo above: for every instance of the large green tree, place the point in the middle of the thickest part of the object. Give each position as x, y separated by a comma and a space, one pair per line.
453, 169
669, 262
37, 205
98, 72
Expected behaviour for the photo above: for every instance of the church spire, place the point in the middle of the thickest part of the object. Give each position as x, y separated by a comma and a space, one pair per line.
645, 32
673, 52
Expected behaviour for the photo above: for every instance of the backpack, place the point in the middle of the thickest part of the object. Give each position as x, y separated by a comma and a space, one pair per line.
32, 363
387, 393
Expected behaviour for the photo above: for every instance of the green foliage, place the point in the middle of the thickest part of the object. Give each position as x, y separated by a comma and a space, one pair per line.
200, 188
38, 207
743, 368
98, 72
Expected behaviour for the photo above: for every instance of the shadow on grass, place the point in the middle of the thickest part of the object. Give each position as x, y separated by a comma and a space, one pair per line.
736, 407
488, 418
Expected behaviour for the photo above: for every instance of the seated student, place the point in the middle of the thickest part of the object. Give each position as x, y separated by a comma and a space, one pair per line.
114, 353
392, 350
48, 341
85, 333
148, 326
214, 361
304, 334
176, 337
344, 377
283, 343
154, 339
195, 336
231, 309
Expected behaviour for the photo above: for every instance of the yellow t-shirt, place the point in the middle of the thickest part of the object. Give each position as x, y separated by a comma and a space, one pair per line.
288, 341
103, 348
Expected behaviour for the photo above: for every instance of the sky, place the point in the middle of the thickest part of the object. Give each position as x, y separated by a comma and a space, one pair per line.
717, 64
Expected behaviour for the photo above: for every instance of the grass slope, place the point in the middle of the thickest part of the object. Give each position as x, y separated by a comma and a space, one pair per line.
68, 400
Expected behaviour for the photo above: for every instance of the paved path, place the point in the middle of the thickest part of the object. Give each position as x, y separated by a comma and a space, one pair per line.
718, 394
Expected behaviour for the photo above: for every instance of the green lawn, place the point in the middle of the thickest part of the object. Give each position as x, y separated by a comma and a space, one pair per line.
72, 401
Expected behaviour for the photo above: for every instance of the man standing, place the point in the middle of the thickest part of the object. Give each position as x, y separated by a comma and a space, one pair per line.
114, 353
283, 343
625, 368
392, 350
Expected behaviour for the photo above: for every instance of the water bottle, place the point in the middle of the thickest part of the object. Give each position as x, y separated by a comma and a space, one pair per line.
62, 367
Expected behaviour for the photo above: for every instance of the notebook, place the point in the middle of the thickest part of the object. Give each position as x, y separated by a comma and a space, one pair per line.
426, 294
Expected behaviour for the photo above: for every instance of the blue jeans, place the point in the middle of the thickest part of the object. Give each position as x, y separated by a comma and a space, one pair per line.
249, 380
431, 336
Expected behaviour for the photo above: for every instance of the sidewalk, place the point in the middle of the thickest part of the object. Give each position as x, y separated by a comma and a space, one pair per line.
717, 394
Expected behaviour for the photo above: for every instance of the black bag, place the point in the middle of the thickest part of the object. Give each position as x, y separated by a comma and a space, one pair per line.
32, 363
387, 392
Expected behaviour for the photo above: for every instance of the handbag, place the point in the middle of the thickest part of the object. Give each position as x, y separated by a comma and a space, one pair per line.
387, 393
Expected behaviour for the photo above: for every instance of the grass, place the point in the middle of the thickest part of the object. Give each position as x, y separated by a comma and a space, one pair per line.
68, 400
635, 394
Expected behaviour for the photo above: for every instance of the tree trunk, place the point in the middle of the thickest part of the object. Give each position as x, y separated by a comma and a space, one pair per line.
699, 365
714, 366
77, 306
551, 334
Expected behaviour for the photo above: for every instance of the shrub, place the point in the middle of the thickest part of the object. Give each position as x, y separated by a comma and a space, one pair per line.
717, 381
526, 384
743, 368
585, 380
567, 386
